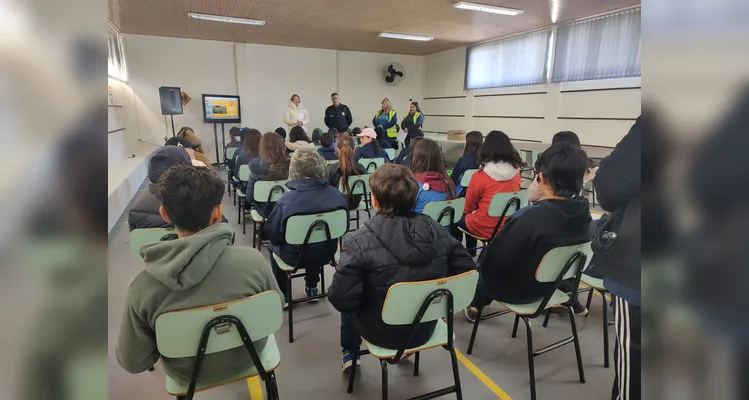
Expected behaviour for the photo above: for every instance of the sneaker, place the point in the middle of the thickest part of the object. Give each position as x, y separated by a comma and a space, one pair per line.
577, 308
347, 363
311, 292
471, 313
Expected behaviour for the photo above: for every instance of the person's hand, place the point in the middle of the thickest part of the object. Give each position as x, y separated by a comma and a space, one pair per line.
300, 123
405, 130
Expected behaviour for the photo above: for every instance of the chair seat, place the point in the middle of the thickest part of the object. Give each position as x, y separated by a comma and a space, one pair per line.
256, 216
239, 193
270, 357
557, 298
288, 268
439, 338
472, 235
595, 283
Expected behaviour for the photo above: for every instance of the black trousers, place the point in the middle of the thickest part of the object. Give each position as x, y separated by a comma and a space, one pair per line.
627, 351
311, 278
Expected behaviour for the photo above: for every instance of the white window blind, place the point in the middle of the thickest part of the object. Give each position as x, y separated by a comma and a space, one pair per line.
116, 66
599, 48
515, 61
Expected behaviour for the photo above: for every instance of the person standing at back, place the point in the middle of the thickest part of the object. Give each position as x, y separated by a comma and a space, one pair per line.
469, 160
414, 120
430, 172
369, 148
387, 119
296, 114
338, 115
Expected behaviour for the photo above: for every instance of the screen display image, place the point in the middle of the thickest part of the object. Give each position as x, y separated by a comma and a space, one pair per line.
219, 108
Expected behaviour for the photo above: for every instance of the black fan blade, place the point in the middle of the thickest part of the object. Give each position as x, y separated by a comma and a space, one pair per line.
389, 79
399, 73
391, 70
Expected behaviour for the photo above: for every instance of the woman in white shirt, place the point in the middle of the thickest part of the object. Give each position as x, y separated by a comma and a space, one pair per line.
296, 114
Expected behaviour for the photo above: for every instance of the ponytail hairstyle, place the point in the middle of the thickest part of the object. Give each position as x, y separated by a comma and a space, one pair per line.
427, 157
346, 164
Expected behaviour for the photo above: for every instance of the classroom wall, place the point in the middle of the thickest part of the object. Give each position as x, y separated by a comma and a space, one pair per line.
600, 112
265, 77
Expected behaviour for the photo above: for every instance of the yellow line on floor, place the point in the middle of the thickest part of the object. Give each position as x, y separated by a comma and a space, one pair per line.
256, 390
482, 377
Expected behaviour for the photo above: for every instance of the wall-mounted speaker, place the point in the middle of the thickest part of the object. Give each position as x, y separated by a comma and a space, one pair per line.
171, 102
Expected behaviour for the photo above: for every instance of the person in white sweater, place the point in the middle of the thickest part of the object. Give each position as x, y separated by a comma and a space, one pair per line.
296, 114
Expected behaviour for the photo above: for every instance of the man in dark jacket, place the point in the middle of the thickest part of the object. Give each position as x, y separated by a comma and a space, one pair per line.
338, 115
145, 210
617, 184
396, 245
309, 194
508, 267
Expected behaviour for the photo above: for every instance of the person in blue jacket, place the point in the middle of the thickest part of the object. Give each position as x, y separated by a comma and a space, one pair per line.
414, 120
369, 148
327, 150
407, 151
469, 160
309, 194
430, 172
387, 118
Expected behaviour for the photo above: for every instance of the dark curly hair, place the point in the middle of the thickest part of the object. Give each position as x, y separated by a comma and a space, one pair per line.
497, 147
189, 195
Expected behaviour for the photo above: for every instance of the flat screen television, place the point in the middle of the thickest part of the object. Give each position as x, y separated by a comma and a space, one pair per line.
219, 108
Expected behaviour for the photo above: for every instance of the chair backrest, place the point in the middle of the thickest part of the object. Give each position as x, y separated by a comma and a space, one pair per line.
466, 178
371, 164
178, 332
269, 191
297, 226
554, 260
437, 210
244, 173
500, 202
230, 152
358, 184
404, 299
139, 237
391, 154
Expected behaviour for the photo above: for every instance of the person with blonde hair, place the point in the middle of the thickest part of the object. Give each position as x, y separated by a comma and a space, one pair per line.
387, 120
296, 113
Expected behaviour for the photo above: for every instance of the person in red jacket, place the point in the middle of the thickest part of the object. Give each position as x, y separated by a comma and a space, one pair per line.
499, 172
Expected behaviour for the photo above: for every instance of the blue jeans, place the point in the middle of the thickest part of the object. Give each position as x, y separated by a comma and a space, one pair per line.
471, 242
350, 339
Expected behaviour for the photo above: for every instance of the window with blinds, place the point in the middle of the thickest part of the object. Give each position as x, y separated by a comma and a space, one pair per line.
599, 48
116, 65
514, 61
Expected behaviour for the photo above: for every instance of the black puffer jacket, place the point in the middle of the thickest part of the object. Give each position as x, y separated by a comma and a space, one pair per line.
145, 211
385, 251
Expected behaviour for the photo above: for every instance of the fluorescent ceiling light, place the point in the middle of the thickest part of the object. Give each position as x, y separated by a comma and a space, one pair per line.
464, 5
406, 37
220, 18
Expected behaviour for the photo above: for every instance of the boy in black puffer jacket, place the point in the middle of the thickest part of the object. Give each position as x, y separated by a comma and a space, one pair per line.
396, 245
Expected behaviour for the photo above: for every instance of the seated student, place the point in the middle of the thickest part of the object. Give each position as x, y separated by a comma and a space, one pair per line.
309, 194
355, 132
508, 266
272, 165
396, 245
569, 137
250, 150
430, 172
383, 140
327, 151
413, 133
200, 268
499, 172
316, 136
298, 139
145, 210
187, 133
281, 132
345, 167
406, 157
469, 160
369, 148
235, 141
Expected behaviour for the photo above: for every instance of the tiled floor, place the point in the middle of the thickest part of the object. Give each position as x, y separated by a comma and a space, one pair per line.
310, 367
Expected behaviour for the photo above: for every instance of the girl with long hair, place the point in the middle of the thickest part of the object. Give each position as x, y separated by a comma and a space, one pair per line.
406, 157
272, 165
250, 149
429, 169
339, 173
469, 160
298, 138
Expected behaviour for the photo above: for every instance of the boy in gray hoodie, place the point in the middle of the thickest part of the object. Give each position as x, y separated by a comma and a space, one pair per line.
200, 268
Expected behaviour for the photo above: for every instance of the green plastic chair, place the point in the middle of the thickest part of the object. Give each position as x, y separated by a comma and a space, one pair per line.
230, 152
466, 178
306, 229
228, 155
317, 147
391, 154
243, 175
139, 237
216, 328
596, 285
331, 162
359, 184
503, 205
413, 303
439, 210
371, 164
263, 192
557, 265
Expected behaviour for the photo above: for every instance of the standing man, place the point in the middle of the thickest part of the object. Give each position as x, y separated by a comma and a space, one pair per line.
338, 115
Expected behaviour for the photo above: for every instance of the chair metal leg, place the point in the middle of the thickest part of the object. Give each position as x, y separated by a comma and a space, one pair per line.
475, 329
590, 297
239, 212
605, 331
254, 233
181, 397
456, 374
353, 371
322, 280
515, 326
384, 366
416, 364
531, 370
546, 318
244, 220
577, 345
291, 307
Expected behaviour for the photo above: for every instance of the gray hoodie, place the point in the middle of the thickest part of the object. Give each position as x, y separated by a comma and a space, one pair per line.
194, 271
